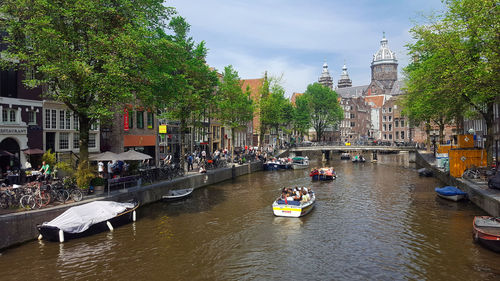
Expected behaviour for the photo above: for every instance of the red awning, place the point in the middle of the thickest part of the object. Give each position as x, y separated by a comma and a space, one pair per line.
33, 151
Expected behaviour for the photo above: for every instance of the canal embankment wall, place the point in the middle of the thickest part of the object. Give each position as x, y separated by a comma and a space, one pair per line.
20, 227
484, 198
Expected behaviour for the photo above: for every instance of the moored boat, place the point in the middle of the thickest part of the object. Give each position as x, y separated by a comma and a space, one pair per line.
177, 194
358, 159
294, 209
486, 231
450, 193
345, 156
300, 162
88, 219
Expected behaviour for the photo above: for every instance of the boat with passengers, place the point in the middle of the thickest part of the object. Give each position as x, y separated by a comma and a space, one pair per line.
294, 203
300, 162
323, 174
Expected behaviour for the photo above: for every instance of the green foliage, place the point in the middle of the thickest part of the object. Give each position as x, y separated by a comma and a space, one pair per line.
322, 106
276, 110
50, 158
84, 174
65, 167
301, 115
98, 181
91, 55
456, 64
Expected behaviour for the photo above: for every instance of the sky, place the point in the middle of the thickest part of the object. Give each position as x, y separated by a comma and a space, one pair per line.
292, 39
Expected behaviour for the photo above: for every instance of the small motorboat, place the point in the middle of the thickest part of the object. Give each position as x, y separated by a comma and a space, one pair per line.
88, 219
358, 159
425, 172
177, 194
300, 162
274, 165
486, 231
323, 174
294, 209
345, 156
451, 193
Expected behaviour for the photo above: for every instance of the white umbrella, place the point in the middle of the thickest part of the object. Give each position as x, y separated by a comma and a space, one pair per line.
133, 155
105, 156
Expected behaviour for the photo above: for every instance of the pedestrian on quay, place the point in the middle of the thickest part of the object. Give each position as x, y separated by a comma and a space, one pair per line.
190, 162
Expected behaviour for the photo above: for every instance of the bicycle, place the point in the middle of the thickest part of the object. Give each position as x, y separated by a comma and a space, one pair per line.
471, 173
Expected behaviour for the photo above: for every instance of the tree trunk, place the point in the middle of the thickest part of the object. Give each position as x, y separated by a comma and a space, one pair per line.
84, 137
441, 131
488, 117
182, 134
232, 145
428, 139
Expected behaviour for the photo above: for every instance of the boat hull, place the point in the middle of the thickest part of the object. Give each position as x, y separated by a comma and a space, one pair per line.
51, 233
293, 211
300, 166
455, 198
322, 178
489, 237
175, 195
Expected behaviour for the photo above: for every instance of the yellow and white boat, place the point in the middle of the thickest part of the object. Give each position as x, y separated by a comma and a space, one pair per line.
294, 209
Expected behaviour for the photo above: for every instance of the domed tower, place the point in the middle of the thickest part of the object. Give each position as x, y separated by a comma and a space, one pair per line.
385, 66
344, 81
325, 79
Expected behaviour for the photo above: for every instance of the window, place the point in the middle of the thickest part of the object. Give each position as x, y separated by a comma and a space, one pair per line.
76, 122
390, 109
93, 126
76, 140
140, 120
390, 136
47, 118
385, 136
396, 123
352, 115
397, 135
130, 119
8, 83
390, 118
61, 119
383, 110
63, 140
53, 120
5, 116
385, 127
385, 118
402, 123
68, 120
31, 117
351, 107
402, 135
9, 115
92, 143
353, 124
390, 127
150, 120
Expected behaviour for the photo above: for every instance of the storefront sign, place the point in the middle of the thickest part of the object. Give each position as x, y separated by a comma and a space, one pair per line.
163, 129
125, 120
13, 131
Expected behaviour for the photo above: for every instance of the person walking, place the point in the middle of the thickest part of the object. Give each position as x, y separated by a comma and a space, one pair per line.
190, 162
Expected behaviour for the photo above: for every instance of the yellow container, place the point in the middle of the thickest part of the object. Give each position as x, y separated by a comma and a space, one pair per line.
462, 159
465, 141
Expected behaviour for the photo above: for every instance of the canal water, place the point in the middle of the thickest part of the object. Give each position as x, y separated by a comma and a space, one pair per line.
377, 221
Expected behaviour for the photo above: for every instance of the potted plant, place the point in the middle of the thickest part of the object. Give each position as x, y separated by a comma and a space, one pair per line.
99, 185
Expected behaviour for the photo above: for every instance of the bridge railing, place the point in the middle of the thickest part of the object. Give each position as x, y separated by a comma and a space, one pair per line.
355, 144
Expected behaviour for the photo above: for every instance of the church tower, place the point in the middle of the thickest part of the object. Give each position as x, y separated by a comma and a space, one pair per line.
344, 81
325, 79
384, 66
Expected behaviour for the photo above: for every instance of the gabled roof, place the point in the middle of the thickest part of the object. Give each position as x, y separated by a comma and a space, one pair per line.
351, 92
255, 86
375, 101
397, 88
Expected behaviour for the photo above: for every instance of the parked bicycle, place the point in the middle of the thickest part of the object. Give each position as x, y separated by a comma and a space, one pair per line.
471, 173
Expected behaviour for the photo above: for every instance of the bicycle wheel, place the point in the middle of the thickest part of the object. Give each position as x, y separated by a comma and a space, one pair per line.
76, 195
45, 199
180, 172
28, 202
4, 201
61, 195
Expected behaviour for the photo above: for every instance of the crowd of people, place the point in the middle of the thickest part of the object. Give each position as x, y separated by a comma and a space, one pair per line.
300, 194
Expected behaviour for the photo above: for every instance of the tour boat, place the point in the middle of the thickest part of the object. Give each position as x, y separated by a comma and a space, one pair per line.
88, 219
300, 162
294, 209
323, 174
486, 231
276, 165
177, 194
450, 193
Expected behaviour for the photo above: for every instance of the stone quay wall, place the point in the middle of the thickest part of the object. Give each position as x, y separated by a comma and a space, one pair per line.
17, 228
484, 198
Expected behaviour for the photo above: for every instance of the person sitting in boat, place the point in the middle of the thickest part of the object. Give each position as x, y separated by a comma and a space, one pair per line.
305, 196
314, 172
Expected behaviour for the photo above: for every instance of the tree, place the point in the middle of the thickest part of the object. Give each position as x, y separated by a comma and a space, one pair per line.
276, 111
323, 107
463, 48
89, 54
301, 116
235, 107
188, 83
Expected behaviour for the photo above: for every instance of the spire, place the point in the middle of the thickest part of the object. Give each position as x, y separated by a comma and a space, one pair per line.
325, 79
344, 81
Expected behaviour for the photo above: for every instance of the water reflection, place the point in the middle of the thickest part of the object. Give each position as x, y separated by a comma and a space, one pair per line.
377, 221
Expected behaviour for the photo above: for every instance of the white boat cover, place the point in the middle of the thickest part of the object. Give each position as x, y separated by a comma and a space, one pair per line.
80, 218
